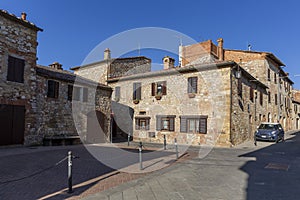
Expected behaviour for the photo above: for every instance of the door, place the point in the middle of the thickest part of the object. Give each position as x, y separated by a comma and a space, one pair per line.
12, 121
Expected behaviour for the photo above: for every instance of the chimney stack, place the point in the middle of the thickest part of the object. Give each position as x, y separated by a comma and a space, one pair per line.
23, 16
56, 65
220, 49
168, 62
107, 54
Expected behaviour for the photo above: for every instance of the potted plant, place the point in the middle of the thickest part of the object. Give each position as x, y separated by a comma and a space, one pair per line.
158, 96
136, 101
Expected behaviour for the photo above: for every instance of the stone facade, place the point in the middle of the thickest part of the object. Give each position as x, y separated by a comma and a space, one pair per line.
24, 85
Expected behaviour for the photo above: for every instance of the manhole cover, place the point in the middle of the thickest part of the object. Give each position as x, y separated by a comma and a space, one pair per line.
278, 166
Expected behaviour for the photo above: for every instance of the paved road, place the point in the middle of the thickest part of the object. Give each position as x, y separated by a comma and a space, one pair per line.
268, 171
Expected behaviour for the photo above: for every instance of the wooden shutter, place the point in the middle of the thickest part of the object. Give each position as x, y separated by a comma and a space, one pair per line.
70, 92
19, 70
183, 124
85, 95
56, 89
137, 127
15, 70
50, 92
117, 92
147, 124
203, 125
138, 91
164, 88
153, 88
171, 124
192, 84
158, 123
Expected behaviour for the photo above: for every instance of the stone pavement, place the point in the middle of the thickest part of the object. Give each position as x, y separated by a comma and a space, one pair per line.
225, 173
222, 174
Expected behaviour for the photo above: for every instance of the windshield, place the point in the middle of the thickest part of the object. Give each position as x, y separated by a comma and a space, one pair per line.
267, 126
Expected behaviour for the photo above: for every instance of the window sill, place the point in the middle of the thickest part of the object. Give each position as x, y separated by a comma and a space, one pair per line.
191, 95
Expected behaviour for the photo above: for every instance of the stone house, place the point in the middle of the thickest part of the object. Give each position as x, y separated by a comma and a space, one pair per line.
215, 95
201, 103
35, 101
264, 66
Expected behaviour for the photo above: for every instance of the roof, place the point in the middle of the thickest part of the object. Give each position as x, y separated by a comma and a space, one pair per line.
67, 76
109, 61
25, 23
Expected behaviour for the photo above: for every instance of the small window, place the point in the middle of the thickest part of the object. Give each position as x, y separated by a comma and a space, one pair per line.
15, 70
53, 89
261, 98
193, 124
142, 123
251, 94
80, 94
137, 91
166, 123
276, 99
269, 97
269, 75
192, 84
275, 77
240, 88
159, 88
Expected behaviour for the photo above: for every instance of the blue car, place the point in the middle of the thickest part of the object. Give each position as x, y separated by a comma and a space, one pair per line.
272, 132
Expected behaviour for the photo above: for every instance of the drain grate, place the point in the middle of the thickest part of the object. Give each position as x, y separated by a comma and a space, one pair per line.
278, 166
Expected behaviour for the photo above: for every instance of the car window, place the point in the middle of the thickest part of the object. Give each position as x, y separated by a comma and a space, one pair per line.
267, 126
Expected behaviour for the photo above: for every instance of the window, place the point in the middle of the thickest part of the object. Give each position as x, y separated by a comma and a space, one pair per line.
15, 69
251, 94
261, 98
117, 93
53, 89
142, 123
275, 77
137, 91
165, 122
80, 94
192, 84
240, 88
269, 97
193, 124
276, 99
70, 92
159, 88
269, 74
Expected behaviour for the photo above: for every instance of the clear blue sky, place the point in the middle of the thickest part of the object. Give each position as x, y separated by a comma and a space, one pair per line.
73, 28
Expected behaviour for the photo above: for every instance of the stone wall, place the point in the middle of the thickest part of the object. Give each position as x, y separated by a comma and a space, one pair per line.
19, 39
211, 100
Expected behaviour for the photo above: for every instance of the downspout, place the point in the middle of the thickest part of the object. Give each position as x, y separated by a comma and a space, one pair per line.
230, 119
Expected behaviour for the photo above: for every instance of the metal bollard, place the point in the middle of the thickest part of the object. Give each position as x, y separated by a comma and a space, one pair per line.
140, 155
70, 172
165, 142
176, 148
128, 139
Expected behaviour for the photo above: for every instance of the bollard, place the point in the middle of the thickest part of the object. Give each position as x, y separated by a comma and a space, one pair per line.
176, 148
128, 139
70, 171
165, 142
140, 155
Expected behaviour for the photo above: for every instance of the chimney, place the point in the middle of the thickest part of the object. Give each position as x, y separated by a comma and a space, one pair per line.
23, 16
168, 62
56, 65
220, 49
107, 54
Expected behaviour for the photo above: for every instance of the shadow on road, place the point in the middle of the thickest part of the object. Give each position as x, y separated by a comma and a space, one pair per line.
275, 174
